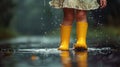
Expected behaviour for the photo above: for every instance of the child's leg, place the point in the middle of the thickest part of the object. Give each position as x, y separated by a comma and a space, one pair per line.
81, 16
68, 16
66, 28
81, 29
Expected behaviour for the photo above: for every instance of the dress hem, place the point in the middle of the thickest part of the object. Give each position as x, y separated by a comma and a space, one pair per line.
57, 6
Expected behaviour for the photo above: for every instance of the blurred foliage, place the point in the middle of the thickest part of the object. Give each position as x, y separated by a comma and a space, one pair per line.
110, 15
6, 12
6, 33
35, 17
104, 37
107, 25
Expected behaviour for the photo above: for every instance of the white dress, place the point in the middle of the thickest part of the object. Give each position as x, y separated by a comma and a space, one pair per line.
75, 4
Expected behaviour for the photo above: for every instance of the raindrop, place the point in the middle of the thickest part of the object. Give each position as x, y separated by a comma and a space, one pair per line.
45, 32
44, 11
56, 17
44, 3
41, 18
59, 19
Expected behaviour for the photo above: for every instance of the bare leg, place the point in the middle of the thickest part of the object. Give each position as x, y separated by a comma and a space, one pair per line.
81, 16
68, 16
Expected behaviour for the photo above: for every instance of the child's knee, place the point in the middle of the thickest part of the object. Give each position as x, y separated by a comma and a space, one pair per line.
81, 15
69, 18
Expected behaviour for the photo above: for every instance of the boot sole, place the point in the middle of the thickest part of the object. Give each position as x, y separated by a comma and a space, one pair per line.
81, 49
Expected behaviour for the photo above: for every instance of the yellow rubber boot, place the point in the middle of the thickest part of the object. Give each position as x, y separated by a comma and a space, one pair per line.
81, 31
65, 37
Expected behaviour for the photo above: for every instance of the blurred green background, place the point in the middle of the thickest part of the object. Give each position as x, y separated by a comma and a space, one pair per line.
27, 18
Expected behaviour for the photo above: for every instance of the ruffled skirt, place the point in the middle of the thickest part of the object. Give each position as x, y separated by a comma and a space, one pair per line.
75, 4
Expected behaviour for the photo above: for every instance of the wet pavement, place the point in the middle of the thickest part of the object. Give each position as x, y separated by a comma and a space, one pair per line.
51, 57
42, 52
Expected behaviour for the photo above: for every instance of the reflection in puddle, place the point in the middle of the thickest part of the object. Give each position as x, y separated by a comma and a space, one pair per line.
65, 58
81, 59
34, 57
54, 58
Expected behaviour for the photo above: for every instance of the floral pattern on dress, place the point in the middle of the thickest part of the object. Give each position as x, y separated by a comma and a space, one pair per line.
76, 4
